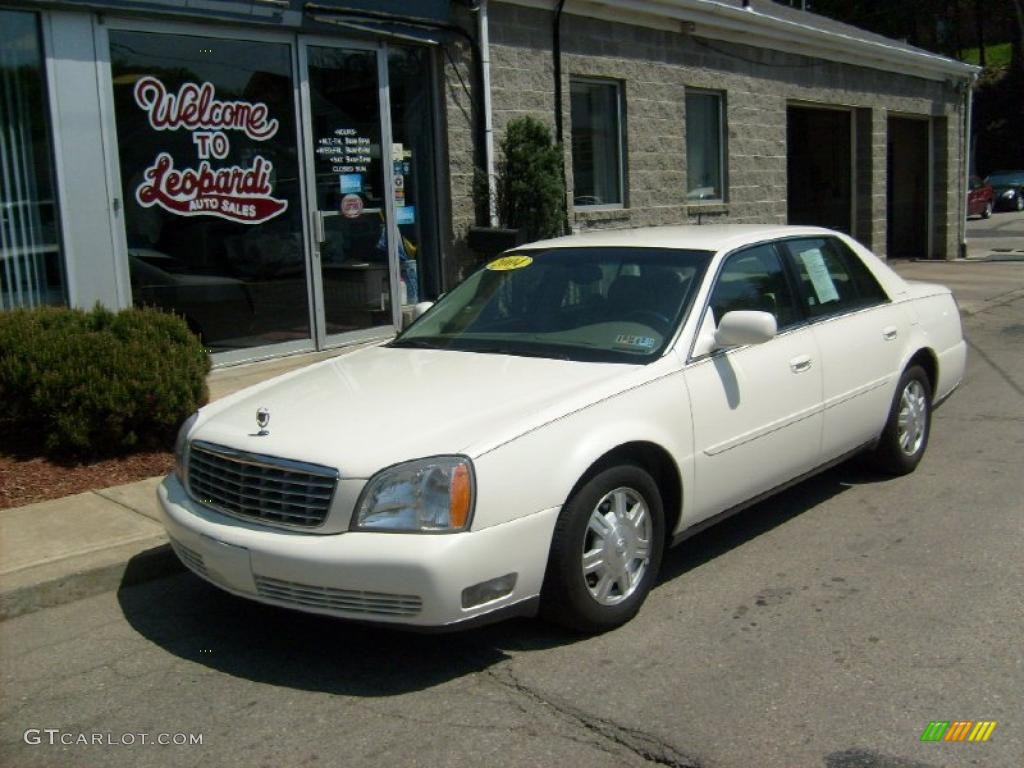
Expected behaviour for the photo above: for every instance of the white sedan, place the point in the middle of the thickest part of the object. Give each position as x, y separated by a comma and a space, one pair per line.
539, 436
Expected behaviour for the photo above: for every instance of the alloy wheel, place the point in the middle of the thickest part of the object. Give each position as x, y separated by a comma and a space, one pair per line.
617, 546
913, 417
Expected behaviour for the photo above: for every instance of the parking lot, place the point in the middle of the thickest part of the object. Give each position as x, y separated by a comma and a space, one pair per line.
825, 627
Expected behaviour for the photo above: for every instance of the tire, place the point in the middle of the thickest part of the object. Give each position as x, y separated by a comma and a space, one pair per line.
987, 213
625, 542
905, 437
1019, 203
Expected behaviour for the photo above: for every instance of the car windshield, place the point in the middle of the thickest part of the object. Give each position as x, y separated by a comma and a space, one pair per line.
612, 304
1006, 177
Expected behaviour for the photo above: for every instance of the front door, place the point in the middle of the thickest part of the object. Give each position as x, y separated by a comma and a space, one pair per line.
348, 146
756, 409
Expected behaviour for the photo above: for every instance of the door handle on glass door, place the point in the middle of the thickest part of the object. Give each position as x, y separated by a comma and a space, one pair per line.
889, 333
800, 364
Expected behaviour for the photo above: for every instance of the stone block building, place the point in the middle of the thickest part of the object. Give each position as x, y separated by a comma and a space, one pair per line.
291, 175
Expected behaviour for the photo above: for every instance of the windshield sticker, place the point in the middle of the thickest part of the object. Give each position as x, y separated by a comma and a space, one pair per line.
814, 263
635, 342
506, 263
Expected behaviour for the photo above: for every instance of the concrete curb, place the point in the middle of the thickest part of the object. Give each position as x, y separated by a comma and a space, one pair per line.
33, 590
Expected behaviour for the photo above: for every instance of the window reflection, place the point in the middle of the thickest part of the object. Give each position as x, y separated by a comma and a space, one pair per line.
207, 144
31, 269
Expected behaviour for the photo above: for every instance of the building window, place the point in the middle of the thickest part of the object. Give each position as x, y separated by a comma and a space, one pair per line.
209, 159
597, 143
704, 146
32, 271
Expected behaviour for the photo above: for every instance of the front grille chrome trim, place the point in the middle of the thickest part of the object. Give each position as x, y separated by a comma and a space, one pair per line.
282, 493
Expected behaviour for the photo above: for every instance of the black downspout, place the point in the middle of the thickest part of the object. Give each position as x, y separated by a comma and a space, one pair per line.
556, 52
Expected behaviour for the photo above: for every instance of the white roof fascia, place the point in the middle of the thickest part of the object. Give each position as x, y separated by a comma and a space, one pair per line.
715, 20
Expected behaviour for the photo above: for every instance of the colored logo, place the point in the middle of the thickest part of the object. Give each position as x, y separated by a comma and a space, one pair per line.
958, 730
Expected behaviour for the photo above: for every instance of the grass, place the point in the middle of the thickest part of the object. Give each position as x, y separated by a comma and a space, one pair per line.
997, 55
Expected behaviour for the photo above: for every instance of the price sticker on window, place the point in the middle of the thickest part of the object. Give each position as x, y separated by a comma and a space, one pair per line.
506, 263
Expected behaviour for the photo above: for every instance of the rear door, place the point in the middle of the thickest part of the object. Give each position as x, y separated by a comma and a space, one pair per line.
859, 333
756, 408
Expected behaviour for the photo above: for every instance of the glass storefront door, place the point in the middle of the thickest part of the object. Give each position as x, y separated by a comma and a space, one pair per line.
279, 191
349, 193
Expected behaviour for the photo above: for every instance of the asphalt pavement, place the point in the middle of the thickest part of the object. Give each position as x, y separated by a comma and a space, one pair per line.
824, 627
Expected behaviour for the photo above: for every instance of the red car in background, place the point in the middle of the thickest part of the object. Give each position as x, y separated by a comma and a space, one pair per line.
981, 198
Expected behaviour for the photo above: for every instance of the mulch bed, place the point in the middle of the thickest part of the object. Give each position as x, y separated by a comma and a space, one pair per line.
25, 477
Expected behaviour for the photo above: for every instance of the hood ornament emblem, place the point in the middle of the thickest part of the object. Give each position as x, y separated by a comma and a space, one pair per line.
262, 420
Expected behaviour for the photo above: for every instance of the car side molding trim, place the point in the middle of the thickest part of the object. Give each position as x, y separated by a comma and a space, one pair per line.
767, 429
850, 394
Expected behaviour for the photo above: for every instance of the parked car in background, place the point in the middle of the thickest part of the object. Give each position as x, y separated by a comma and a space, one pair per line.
1009, 190
539, 436
980, 198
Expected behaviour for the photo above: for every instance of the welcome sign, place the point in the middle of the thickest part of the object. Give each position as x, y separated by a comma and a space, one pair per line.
238, 193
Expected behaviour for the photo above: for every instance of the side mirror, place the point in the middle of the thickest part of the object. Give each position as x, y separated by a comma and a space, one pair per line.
745, 327
420, 309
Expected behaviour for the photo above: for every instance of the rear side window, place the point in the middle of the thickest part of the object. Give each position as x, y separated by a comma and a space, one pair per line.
831, 278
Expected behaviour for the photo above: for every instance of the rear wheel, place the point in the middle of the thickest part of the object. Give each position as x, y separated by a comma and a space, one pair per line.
906, 432
605, 552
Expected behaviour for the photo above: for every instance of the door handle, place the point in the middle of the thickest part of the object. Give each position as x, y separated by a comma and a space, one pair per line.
320, 235
800, 364
890, 333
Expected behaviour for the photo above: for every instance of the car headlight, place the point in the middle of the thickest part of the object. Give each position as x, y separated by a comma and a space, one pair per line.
432, 495
181, 447
1008, 193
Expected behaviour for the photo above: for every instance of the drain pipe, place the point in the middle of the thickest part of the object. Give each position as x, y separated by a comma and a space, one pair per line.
965, 181
484, 42
556, 55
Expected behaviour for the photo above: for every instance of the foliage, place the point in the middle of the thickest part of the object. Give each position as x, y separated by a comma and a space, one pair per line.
531, 184
996, 56
73, 381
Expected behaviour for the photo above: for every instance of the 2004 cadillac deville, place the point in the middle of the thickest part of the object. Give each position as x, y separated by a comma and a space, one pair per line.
543, 432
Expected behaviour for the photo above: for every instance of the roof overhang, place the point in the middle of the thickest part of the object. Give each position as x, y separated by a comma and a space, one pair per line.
721, 21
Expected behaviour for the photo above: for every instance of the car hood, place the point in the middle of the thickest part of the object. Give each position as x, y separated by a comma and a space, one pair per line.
381, 405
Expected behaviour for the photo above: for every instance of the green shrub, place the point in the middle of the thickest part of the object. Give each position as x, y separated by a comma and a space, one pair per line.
531, 185
73, 381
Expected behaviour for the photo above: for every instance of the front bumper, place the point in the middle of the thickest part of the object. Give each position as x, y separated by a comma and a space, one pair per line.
410, 579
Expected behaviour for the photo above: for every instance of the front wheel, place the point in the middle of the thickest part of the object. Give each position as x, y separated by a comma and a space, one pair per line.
1020, 201
605, 551
906, 432
987, 213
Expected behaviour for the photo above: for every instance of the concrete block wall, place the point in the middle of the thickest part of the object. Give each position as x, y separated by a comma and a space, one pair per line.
655, 68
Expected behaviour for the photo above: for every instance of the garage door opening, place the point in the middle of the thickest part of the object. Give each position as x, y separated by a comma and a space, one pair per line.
907, 189
819, 167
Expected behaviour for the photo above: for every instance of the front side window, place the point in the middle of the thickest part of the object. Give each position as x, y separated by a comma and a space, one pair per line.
754, 280
595, 304
704, 178
31, 268
831, 278
596, 143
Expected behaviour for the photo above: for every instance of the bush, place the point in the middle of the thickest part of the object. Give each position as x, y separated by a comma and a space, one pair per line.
531, 185
73, 381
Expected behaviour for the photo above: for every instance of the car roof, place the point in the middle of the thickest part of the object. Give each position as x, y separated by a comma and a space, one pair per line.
703, 237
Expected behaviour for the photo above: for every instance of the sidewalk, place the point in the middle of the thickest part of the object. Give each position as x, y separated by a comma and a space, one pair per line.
57, 551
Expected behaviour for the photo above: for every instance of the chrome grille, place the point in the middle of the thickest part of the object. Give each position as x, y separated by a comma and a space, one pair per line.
349, 600
260, 487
